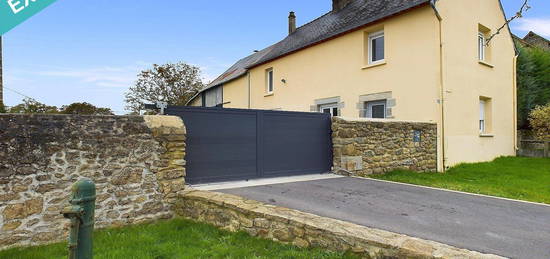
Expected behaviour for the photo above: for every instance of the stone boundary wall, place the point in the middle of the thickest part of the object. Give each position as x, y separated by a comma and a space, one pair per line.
307, 230
368, 146
534, 148
530, 146
136, 162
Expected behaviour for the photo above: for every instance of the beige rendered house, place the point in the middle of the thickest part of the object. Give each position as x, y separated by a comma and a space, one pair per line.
416, 60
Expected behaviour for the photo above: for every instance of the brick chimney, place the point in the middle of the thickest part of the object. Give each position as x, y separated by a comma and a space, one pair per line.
338, 5
291, 23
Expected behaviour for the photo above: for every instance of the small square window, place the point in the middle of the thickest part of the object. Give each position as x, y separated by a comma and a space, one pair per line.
376, 109
376, 48
269, 81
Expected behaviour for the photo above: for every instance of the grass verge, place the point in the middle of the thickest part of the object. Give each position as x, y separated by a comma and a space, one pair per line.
510, 177
176, 238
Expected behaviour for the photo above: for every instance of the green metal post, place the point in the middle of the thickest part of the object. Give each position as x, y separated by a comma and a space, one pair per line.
81, 214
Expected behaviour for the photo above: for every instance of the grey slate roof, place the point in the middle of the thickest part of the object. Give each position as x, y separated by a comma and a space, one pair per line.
356, 15
239, 68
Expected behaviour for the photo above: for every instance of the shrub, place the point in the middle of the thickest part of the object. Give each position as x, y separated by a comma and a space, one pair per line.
30, 106
533, 70
540, 121
85, 109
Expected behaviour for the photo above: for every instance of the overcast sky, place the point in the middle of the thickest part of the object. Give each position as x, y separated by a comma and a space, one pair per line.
82, 50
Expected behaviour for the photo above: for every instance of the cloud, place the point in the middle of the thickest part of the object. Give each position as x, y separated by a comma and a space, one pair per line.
540, 26
10, 77
125, 76
121, 77
211, 68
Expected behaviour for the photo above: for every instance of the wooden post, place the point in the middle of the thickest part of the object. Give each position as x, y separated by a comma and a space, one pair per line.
546, 149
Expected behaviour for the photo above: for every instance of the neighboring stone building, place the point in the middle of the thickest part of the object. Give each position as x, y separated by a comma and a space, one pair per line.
533, 40
537, 40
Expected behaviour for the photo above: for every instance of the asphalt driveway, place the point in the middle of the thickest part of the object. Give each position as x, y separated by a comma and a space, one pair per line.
484, 224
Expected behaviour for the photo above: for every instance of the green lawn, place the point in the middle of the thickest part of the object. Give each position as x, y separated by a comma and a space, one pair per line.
175, 239
511, 177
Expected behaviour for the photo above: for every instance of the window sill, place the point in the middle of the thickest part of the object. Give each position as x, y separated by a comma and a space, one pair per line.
485, 135
386, 118
379, 63
268, 95
486, 64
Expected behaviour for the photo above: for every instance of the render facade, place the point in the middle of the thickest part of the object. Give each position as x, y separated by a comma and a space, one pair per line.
425, 61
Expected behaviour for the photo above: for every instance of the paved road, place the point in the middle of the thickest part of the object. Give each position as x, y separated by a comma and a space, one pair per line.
507, 228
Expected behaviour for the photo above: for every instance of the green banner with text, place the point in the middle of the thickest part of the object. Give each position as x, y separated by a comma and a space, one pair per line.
14, 12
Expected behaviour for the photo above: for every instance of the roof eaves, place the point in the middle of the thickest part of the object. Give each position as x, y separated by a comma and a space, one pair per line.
340, 34
520, 40
508, 26
216, 85
223, 78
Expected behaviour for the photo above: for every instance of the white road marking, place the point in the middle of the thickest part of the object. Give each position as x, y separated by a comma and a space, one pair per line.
265, 181
306, 178
447, 190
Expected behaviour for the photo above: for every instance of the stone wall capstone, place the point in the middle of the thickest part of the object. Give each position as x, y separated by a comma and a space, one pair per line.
302, 229
368, 146
136, 162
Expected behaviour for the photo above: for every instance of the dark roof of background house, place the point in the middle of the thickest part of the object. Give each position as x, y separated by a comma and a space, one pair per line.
520, 40
532, 40
532, 34
354, 16
537, 40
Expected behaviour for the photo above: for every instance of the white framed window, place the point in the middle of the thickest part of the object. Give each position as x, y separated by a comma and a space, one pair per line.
269, 81
481, 46
376, 109
376, 47
482, 117
331, 108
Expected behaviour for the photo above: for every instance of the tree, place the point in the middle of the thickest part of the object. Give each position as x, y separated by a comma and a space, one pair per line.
30, 106
85, 109
175, 84
33, 106
540, 121
533, 70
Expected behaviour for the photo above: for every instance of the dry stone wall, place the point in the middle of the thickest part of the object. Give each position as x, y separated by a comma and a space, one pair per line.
136, 162
364, 146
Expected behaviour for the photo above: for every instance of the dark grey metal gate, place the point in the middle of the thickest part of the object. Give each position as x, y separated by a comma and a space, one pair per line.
234, 144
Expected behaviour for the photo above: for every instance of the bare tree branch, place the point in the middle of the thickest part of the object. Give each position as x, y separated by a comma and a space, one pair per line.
524, 8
